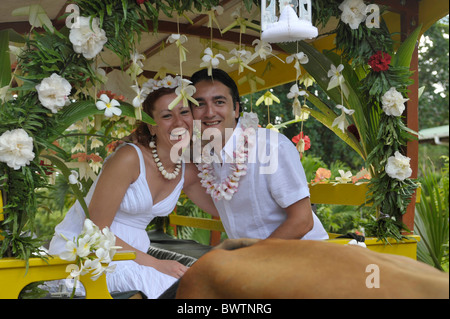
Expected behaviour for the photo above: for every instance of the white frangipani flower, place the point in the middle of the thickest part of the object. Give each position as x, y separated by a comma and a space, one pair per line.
16, 148
83, 246
93, 266
179, 39
344, 109
141, 95
211, 60
345, 177
90, 241
297, 109
300, 58
241, 57
337, 79
70, 253
262, 50
170, 81
295, 92
184, 93
53, 92
136, 64
87, 38
110, 106
341, 121
176, 37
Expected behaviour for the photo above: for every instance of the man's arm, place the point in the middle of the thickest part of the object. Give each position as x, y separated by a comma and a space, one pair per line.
298, 223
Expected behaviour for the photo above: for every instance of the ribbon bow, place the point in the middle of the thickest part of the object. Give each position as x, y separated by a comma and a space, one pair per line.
268, 99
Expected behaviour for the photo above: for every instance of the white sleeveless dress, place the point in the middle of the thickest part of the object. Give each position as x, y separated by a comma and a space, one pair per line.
135, 213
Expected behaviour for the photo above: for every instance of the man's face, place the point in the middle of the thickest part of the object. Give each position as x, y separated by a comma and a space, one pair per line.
216, 109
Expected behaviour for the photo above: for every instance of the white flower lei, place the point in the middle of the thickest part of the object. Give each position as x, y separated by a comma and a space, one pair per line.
229, 186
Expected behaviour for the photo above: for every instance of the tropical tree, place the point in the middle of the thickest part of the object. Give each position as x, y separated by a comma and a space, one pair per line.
434, 75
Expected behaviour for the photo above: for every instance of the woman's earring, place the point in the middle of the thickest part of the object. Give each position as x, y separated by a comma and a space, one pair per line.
152, 143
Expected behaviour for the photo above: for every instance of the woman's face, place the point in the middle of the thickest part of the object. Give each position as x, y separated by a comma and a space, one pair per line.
172, 126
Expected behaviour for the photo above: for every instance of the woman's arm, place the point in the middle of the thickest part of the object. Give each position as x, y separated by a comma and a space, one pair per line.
121, 170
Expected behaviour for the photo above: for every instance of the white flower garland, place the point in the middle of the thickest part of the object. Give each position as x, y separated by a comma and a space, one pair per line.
229, 186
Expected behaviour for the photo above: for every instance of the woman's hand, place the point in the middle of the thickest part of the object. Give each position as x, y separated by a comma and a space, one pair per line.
170, 267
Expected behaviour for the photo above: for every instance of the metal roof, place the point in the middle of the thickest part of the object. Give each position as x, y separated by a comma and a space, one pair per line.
435, 135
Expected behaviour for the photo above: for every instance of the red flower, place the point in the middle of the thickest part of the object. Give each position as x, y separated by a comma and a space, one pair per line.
48, 168
298, 137
352, 129
111, 95
380, 61
140, 1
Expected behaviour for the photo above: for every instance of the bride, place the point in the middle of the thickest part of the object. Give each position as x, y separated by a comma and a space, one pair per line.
139, 182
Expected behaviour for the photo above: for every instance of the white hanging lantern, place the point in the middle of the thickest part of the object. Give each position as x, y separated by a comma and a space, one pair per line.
290, 26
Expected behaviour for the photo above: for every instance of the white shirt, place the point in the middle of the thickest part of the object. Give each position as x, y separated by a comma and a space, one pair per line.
275, 179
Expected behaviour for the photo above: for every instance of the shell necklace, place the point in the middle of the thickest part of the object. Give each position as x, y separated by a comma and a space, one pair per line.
162, 170
227, 188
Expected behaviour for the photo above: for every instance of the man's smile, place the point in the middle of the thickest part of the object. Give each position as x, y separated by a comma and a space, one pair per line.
211, 123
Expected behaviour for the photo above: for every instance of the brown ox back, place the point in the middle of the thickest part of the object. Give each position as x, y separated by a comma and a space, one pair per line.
286, 269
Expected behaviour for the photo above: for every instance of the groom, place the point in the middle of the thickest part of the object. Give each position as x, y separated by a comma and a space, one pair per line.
254, 200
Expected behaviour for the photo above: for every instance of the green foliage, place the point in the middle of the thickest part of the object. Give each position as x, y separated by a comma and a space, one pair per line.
33, 291
341, 219
5, 63
186, 207
326, 146
434, 75
432, 216
379, 135
323, 10
357, 45
311, 164
46, 53
22, 202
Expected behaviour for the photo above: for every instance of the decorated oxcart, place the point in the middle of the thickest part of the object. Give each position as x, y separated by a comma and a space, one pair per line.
363, 55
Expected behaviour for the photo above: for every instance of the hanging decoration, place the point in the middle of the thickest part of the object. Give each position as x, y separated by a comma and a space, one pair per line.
240, 22
290, 26
185, 90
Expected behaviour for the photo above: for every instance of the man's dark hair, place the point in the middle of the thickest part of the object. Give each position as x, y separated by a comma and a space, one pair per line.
221, 76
